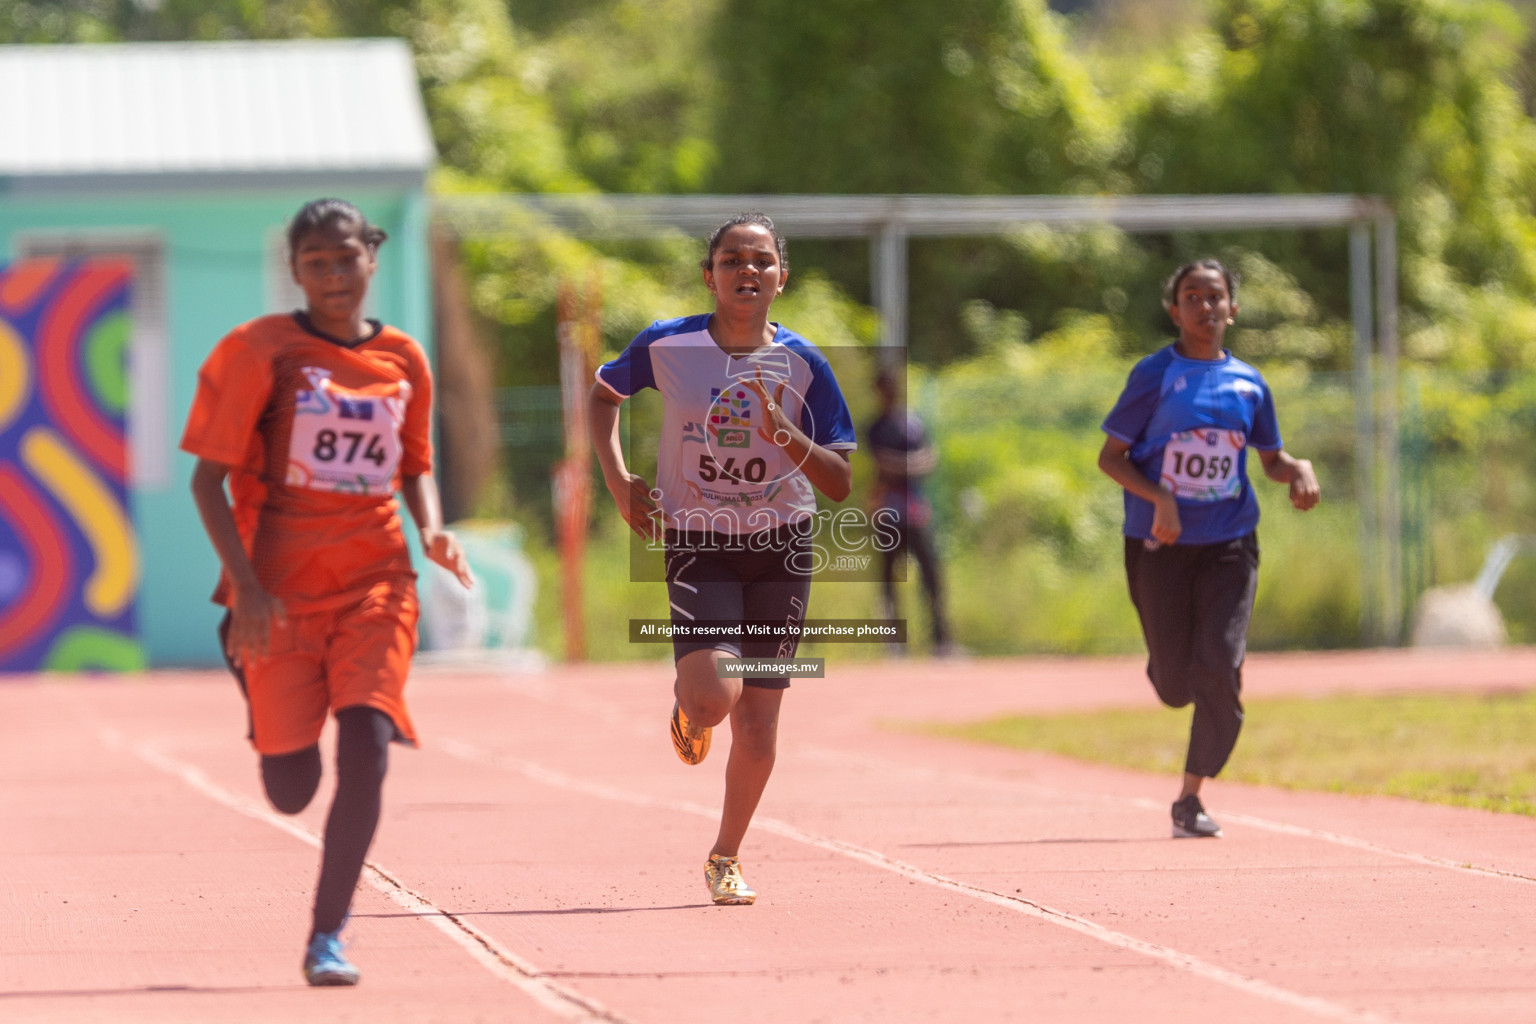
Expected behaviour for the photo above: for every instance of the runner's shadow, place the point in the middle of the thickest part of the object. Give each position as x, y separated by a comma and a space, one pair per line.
579, 910
143, 990
1032, 842
549, 913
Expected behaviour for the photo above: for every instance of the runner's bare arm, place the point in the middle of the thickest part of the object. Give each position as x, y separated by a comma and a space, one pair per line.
252, 610
421, 497
1284, 468
1115, 462
829, 471
630, 491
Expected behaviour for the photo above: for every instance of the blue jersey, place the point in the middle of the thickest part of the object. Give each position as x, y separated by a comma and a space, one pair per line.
1190, 423
714, 469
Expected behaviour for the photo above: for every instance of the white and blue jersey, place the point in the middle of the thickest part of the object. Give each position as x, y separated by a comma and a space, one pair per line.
1190, 423
715, 470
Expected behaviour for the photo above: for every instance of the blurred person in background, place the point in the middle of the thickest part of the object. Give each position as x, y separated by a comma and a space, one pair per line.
904, 458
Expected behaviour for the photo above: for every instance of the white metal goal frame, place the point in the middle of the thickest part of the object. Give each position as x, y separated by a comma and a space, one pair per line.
890, 221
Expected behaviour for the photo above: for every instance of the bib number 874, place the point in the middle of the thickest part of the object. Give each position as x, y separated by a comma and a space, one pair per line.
329, 444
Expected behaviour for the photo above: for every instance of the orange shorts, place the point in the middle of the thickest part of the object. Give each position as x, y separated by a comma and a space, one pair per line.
320, 662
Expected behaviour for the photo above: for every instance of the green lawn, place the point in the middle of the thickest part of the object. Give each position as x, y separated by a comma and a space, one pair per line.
1476, 750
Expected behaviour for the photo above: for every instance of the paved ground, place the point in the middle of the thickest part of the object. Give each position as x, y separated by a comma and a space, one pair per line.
540, 860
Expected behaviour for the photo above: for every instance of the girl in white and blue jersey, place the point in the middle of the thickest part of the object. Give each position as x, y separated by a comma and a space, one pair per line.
753, 426
1178, 441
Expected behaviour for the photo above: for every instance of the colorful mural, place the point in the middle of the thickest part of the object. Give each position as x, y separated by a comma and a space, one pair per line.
69, 564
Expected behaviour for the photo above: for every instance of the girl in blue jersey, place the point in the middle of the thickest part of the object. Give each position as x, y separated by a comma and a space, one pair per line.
753, 425
1178, 441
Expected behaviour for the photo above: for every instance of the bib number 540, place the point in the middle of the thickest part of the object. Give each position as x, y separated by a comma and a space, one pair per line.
710, 470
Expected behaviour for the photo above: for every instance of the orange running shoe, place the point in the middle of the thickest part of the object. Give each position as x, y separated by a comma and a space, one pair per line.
690, 741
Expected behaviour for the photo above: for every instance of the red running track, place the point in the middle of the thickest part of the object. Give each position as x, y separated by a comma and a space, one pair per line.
540, 860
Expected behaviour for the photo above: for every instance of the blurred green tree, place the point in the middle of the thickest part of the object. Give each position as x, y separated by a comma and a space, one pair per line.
94, 21
905, 96
854, 96
1418, 100
1415, 100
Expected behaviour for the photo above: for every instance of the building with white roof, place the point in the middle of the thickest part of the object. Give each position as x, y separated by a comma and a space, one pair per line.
171, 116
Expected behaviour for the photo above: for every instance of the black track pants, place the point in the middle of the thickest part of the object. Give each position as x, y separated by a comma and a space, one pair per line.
1194, 601
919, 541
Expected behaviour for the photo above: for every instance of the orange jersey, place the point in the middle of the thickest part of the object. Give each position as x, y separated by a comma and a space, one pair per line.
317, 435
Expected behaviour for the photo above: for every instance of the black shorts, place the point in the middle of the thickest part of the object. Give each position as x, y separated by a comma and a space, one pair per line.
763, 577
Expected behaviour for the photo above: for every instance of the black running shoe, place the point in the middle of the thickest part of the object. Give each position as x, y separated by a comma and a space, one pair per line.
1191, 822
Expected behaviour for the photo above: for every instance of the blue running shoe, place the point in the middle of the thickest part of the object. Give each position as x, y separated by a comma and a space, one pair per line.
324, 962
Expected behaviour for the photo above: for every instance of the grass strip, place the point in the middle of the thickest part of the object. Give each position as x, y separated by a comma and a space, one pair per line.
1468, 750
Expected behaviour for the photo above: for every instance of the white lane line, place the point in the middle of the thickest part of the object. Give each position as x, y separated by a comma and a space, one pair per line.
560, 1000
1285, 828
874, 858
1251, 820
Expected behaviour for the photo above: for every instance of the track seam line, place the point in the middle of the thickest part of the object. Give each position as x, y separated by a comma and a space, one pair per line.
509, 967
1306, 831
1182, 961
1254, 821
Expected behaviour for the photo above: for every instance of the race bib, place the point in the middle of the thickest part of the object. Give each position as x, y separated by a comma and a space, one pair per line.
729, 470
344, 441
1201, 465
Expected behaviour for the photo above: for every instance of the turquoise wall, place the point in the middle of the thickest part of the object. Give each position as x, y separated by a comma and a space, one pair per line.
215, 265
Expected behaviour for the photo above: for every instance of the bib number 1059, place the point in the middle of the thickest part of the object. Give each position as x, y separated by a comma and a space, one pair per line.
1197, 466
1201, 465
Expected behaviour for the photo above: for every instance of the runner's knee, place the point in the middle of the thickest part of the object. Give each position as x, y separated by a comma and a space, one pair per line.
362, 747
705, 697
755, 737
290, 780
1171, 685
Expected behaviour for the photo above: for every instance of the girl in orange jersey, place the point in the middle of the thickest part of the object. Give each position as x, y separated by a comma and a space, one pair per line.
315, 419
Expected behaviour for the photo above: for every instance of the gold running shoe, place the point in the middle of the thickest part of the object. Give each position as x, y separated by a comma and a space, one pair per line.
726, 886
690, 741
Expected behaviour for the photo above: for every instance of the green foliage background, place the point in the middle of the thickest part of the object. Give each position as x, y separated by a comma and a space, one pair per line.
1018, 344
